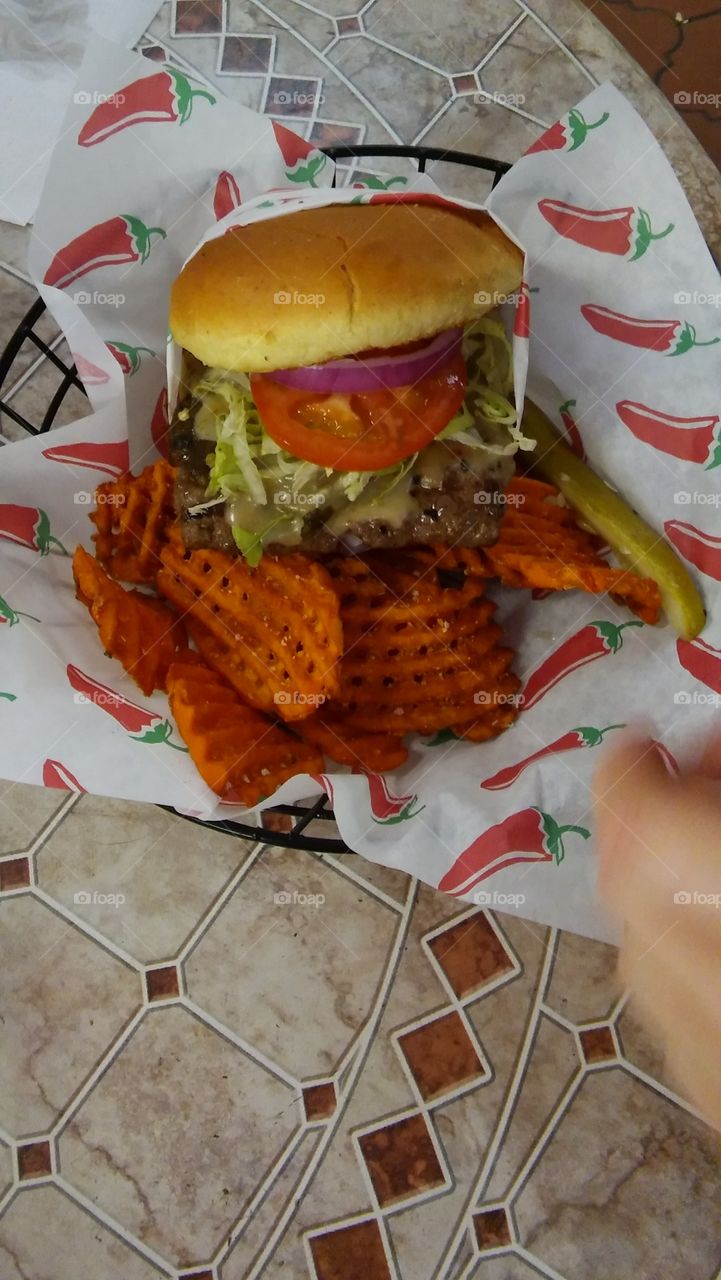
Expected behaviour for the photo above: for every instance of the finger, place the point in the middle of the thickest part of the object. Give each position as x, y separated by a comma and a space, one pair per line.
709, 763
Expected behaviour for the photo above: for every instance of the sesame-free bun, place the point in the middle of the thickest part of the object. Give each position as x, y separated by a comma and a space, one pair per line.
324, 283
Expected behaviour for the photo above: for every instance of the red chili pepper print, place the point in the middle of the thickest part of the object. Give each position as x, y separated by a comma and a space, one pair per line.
116, 242
527, 836
143, 725
129, 358
28, 527
90, 374
567, 134
701, 660
165, 97
668, 337
574, 740
303, 162
111, 459
227, 195
625, 232
595, 640
325, 784
570, 426
690, 439
159, 424
700, 549
522, 317
56, 774
387, 809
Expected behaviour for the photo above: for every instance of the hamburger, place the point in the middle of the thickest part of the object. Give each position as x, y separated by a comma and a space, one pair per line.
345, 383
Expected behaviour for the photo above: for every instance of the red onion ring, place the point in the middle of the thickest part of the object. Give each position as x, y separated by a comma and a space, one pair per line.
352, 376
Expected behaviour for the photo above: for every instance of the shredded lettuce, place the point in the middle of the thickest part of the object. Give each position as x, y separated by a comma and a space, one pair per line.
249, 545
246, 464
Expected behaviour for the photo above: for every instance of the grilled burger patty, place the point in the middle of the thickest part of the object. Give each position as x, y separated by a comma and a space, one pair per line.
454, 500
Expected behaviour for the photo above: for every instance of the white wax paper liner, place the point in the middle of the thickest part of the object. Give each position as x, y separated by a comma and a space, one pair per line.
635, 411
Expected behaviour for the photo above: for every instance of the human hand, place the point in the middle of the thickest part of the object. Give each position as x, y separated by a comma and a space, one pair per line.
659, 840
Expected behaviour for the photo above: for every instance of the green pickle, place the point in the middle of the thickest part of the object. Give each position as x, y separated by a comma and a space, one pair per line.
637, 545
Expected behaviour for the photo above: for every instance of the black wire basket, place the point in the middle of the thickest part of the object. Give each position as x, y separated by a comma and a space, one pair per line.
301, 815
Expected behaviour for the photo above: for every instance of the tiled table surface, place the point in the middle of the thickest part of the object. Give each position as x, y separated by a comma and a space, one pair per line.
197, 1079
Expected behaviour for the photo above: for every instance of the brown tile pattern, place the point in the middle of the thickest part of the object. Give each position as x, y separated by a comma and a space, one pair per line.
319, 1101
199, 17
162, 984
351, 1253
349, 26
14, 874
598, 1044
470, 954
401, 1160
440, 1055
491, 1228
248, 55
34, 1160
464, 83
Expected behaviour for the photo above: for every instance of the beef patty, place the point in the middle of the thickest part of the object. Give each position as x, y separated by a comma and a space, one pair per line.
460, 506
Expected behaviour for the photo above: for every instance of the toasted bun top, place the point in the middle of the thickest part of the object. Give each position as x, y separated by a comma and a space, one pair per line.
324, 283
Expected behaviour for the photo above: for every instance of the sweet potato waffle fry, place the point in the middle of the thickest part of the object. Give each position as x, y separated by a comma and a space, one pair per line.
132, 518
136, 629
541, 545
273, 632
339, 739
238, 751
422, 651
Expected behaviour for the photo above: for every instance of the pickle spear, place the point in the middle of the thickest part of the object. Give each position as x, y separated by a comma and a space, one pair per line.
637, 545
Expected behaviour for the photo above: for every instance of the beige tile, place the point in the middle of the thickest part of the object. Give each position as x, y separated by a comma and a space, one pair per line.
291, 54
64, 999
34, 397
643, 1048
552, 1065
371, 69
583, 986
531, 66
456, 43
305, 974
628, 1186
24, 810
288, 1252
507, 1267
393, 883
45, 1236
168, 870
14, 243
6, 1168
176, 1136
485, 129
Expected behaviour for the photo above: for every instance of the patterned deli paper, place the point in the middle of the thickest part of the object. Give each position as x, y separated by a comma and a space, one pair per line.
623, 354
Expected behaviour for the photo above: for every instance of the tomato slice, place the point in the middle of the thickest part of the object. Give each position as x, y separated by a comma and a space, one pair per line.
361, 432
